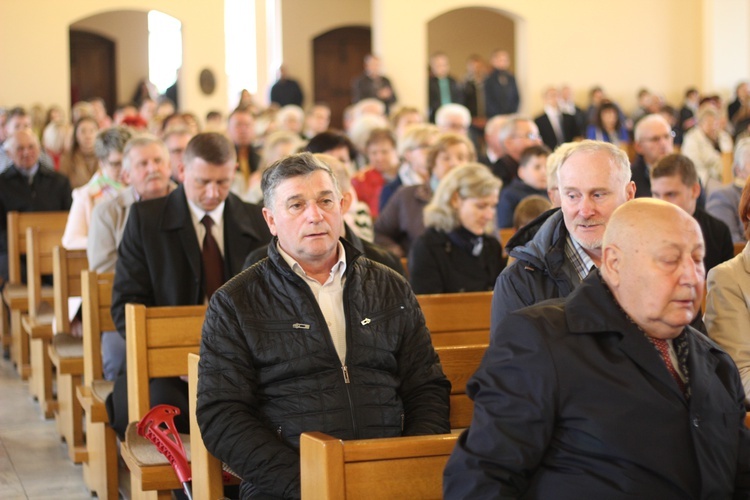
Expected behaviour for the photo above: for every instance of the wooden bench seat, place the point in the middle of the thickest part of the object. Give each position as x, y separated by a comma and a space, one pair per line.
100, 463
68, 364
459, 364
158, 341
37, 324
15, 293
373, 469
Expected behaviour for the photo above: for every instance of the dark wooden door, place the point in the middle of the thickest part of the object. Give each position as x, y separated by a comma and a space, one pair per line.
92, 68
337, 58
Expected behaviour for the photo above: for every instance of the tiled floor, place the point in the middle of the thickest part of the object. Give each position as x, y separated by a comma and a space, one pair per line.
33, 461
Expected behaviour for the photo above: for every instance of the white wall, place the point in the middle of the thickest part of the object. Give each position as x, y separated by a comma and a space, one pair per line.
620, 45
34, 48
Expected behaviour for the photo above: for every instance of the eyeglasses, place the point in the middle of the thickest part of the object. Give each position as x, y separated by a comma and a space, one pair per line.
658, 138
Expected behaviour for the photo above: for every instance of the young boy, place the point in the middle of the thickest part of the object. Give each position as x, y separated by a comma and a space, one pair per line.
532, 180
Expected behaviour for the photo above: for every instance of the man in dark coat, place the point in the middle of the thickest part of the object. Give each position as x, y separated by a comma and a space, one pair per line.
609, 393
675, 180
27, 186
500, 89
372, 83
442, 88
654, 140
286, 90
315, 337
555, 252
162, 258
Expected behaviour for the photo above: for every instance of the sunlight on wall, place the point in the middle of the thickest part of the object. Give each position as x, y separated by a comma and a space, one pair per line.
164, 49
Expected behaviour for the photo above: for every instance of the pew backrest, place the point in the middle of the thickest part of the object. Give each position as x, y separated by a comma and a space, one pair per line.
17, 224
67, 266
158, 341
402, 467
96, 292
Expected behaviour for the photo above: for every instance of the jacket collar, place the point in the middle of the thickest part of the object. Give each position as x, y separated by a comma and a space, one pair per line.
352, 254
591, 309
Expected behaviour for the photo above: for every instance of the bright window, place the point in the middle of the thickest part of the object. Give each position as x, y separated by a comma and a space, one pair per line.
164, 49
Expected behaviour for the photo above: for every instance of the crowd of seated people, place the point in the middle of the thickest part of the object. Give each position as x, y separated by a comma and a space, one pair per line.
409, 189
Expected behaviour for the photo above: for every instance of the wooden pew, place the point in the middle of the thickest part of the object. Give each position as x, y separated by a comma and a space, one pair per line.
206, 469
37, 324
727, 172
66, 351
459, 364
15, 293
457, 318
158, 340
100, 464
390, 468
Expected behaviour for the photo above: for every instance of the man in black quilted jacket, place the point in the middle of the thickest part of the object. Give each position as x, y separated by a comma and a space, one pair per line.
316, 337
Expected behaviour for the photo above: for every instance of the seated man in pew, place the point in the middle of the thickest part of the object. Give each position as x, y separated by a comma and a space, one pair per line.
179, 249
555, 252
316, 337
610, 393
145, 167
28, 186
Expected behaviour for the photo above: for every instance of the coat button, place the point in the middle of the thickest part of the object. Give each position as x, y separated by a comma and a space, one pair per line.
696, 422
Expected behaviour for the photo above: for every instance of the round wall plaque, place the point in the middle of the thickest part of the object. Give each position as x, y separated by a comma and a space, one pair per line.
207, 81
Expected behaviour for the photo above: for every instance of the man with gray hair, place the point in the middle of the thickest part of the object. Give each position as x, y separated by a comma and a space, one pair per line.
723, 203
453, 118
654, 140
516, 134
313, 337
178, 249
27, 186
556, 252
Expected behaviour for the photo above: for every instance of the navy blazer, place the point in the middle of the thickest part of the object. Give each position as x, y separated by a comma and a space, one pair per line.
572, 400
159, 259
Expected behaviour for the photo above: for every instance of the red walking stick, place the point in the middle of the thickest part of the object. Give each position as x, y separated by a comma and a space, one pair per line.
158, 427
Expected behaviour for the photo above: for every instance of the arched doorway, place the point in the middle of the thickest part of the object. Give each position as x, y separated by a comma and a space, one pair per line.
89, 50
337, 58
129, 33
465, 32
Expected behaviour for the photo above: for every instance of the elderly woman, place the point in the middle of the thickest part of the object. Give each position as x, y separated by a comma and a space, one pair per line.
104, 185
457, 253
401, 221
727, 316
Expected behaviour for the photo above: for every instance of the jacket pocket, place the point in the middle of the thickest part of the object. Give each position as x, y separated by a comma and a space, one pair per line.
384, 315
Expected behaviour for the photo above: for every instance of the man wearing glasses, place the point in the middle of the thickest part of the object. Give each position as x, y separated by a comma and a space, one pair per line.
654, 140
517, 134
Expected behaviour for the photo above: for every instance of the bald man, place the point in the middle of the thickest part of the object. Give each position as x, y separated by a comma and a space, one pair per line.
609, 393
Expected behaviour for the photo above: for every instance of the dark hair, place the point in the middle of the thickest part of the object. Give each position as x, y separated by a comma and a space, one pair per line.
211, 115
109, 140
300, 164
327, 141
676, 164
605, 105
17, 111
76, 146
690, 90
211, 147
533, 152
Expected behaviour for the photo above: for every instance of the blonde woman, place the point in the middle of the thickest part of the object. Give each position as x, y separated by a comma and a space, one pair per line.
457, 252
